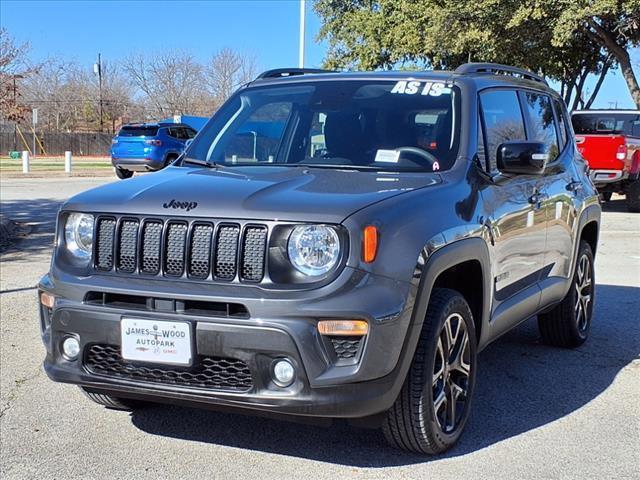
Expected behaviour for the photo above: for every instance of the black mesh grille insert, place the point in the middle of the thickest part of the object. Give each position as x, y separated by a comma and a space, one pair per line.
106, 229
198, 249
253, 248
209, 372
346, 347
226, 251
151, 243
127, 246
174, 249
200, 257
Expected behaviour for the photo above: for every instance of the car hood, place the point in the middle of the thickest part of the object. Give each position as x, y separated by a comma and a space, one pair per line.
266, 193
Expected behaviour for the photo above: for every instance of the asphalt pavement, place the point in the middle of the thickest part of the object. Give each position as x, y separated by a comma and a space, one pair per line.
539, 412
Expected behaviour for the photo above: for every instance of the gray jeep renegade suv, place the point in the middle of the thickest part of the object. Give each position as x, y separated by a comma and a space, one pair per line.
335, 245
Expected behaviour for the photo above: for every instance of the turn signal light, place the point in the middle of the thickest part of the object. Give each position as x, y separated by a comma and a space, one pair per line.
352, 328
47, 299
370, 244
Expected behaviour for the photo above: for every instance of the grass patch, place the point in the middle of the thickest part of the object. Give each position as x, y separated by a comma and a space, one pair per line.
55, 164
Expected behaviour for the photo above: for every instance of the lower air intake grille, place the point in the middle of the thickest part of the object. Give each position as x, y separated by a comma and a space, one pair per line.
346, 347
209, 372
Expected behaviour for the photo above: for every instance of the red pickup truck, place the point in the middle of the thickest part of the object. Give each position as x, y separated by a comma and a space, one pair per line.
610, 142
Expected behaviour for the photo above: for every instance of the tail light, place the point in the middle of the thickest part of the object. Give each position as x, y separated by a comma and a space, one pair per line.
621, 154
153, 143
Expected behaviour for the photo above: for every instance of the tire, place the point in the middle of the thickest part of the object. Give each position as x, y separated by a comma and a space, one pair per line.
568, 324
123, 174
633, 197
606, 196
109, 401
414, 423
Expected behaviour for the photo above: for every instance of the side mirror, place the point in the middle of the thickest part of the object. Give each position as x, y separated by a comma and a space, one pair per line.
521, 157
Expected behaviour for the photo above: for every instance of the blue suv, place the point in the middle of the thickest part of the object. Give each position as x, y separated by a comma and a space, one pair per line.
143, 147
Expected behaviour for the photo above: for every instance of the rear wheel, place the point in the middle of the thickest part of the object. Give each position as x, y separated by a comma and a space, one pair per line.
122, 174
568, 324
112, 402
633, 197
433, 406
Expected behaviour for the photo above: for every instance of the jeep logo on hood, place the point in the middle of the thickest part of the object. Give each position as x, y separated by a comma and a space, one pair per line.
180, 205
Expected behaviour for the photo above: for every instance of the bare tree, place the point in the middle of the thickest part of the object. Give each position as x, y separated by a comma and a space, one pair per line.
226, 71
170, 82
13, 67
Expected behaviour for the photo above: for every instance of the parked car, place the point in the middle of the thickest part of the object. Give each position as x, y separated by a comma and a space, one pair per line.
143, 147
336, 245
610, 142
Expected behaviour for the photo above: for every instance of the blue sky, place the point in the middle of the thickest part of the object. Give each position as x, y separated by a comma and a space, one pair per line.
78, 30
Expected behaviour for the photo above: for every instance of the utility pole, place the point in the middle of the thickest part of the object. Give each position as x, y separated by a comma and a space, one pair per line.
97, 69
302, 21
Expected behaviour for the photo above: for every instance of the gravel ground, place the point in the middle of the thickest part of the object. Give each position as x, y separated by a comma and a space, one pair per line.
539, 412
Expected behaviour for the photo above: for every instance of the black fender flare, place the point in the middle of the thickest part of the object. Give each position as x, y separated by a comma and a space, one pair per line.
428, 268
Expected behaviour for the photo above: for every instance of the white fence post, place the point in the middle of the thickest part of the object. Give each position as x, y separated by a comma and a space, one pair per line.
25, 161
67, 162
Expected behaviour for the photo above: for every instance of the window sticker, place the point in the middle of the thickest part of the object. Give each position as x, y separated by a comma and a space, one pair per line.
387, 156
435, 167
434, 89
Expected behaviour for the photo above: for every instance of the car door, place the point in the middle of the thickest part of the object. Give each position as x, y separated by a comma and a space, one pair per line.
517, 220
560, 190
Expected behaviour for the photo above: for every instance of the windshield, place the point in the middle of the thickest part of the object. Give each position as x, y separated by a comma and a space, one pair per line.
386, 125
606, 123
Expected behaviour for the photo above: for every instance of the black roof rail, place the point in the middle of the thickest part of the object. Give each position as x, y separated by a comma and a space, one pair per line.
498, 68
290, 72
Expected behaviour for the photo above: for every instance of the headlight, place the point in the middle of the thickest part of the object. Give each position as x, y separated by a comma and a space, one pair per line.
78, 234
314, 249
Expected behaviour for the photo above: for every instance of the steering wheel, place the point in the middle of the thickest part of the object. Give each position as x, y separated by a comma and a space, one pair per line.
420, 153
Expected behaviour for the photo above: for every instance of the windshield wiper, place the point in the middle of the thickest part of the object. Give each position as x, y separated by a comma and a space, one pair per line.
201, 163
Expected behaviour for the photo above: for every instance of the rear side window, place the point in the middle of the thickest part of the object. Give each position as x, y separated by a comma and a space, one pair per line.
541, 122
562, 123
607, 123
502, 120
130, 131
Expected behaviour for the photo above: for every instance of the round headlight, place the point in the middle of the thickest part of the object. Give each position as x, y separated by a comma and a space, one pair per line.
78, 234
314, 249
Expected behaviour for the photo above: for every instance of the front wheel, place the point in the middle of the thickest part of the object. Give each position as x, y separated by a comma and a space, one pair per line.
109, 401
433, 406
568, 323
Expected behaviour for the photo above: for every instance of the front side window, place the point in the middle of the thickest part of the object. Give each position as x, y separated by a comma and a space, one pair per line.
383, 125
541, 122
503, 120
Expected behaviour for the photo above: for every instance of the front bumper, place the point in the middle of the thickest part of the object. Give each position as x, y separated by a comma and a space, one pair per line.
280, 324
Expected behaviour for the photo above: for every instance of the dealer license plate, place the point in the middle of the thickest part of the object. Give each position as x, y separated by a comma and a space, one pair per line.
156, 342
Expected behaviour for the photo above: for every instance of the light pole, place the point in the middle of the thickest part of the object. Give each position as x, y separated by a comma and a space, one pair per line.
97, 69
302, 21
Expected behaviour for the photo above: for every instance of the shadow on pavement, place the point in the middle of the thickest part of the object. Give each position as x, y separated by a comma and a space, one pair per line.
522, 385
618, 204
40, 216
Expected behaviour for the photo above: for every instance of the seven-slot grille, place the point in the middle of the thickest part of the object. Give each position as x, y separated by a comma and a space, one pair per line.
200, 250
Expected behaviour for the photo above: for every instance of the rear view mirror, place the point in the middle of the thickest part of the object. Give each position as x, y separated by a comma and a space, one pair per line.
522, 157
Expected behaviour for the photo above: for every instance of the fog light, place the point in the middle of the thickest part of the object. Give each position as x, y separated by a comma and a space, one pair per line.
283, 373
71, 348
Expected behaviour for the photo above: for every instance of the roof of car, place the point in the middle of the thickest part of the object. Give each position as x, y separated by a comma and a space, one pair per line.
482, 74
156, 124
